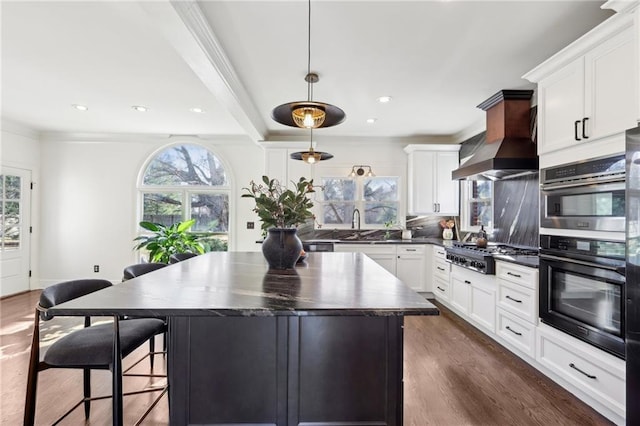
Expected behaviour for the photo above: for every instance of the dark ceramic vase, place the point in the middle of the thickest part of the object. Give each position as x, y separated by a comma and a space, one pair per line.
282, 248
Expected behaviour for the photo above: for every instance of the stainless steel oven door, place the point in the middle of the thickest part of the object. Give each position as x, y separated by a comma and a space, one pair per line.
585, 300
593, 207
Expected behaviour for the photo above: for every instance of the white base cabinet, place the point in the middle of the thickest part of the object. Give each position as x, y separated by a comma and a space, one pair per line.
505, 307
474, 295
406, 261
590, 373
440, 274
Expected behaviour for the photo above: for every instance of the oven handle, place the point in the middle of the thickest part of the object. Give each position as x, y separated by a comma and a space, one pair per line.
590, 181
618, 269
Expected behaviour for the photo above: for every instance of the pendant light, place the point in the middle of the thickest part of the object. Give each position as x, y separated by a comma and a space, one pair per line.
308, 114
311, 156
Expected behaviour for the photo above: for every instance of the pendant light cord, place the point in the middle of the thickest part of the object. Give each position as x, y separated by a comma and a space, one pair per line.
309, 84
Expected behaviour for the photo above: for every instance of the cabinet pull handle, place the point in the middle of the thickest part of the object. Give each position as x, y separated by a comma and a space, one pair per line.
435, 208
442, 269
439, 288
572, 365
511, 298
410, 249
584, 128
575, 130
467, 282
514, 275
440, 253
513, 331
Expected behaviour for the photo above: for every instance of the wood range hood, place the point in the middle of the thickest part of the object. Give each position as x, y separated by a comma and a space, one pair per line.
508, 151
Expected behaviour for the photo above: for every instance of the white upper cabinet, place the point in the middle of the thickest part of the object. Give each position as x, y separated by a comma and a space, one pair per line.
430, 187
589, 89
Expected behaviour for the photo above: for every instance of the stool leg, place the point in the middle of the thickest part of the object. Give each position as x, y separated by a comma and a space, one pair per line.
87, 392
152, 349
116, 376
32, 376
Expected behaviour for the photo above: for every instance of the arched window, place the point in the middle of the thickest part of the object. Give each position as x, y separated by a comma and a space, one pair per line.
184, 182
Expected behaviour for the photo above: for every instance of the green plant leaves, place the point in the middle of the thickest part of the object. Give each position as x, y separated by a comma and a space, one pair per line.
168, 240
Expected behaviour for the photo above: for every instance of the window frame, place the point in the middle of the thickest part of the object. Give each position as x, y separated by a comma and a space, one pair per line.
186, 191
465, 207
359, 203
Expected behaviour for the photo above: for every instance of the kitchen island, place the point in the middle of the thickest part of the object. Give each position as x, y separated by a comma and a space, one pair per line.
321, 344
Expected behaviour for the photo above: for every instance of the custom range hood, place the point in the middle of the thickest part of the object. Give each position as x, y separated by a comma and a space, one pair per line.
508, 151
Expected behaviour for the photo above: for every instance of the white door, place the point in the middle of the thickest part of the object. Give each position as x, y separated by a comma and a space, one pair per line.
15, 209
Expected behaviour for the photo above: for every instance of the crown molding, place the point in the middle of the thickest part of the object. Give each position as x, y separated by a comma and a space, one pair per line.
17, 128
613, 25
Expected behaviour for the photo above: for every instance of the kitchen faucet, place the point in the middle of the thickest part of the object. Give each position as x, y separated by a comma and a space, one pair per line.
353, 219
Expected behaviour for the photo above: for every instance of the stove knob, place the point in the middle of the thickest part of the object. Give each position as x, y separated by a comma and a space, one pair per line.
472, 264
463, 260
480, 265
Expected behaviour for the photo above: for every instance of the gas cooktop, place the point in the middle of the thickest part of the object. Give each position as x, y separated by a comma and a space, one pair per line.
480, 259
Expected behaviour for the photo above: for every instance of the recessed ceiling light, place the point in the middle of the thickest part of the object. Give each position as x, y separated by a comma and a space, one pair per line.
80, 107
384, 99
371, 120
198, 110
140, 108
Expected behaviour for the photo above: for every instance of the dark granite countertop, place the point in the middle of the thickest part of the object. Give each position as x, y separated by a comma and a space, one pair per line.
239, 284
419, 240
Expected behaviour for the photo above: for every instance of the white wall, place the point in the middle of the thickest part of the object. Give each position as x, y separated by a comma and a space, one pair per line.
85, 208
20, 148
89, 200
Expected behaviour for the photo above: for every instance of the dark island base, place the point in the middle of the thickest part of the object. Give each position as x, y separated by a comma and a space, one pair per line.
296, 370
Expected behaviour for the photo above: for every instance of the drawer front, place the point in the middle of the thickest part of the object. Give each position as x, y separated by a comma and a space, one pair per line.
441, 288
410, 249
600, 375
519, 300
441, 268
438, 252
517, 332
518, 274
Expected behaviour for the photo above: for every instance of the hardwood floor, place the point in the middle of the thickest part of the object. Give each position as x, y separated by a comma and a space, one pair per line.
453, 374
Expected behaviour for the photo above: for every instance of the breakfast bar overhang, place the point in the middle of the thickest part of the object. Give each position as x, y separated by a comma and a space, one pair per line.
321, 344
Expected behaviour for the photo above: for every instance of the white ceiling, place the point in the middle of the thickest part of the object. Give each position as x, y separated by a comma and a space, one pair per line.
239, 59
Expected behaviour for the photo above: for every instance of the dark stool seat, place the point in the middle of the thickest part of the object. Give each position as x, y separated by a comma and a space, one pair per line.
138, 269
92, 346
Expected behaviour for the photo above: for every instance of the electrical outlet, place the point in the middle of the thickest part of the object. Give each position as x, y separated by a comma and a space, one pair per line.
250, 225
96, 268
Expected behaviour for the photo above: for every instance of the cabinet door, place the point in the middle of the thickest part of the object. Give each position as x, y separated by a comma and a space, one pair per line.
482, 307
421, 185
460, 293
610, 91
410, 269
446, 188
387, 261
561, 101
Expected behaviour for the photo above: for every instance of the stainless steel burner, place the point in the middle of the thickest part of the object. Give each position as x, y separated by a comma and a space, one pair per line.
480, 259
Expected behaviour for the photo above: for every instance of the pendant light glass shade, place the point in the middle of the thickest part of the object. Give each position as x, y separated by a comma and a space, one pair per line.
308, 115
311, 156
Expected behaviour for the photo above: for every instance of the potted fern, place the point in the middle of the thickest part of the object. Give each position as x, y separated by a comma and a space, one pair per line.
280, 210
167, 240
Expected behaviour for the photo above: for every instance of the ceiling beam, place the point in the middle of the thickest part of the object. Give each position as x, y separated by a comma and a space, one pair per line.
184, 25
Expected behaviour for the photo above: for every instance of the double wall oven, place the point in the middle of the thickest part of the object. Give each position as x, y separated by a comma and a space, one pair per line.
582, 252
